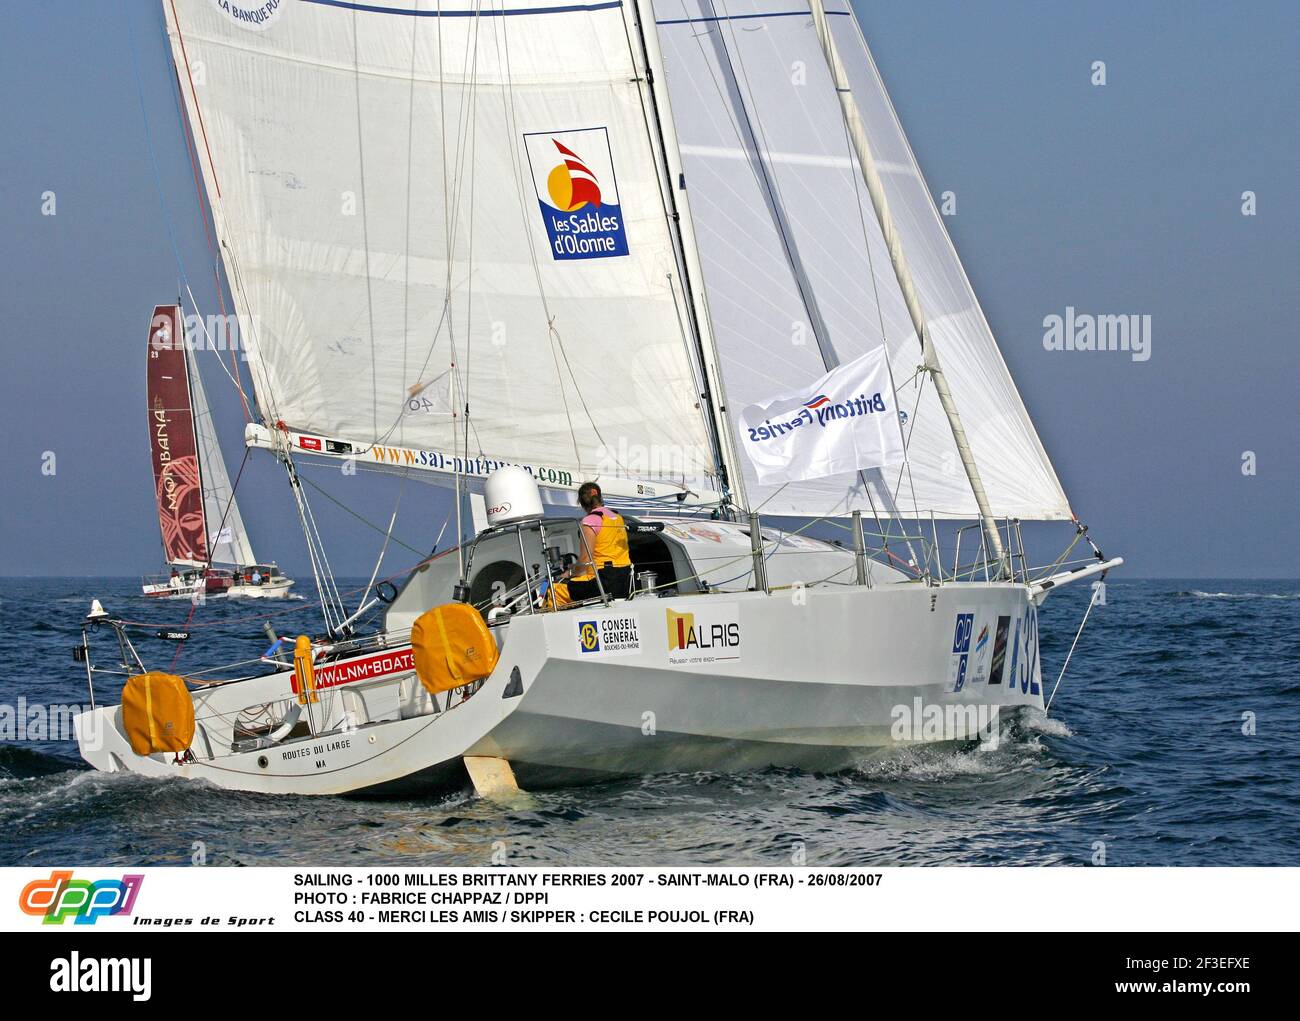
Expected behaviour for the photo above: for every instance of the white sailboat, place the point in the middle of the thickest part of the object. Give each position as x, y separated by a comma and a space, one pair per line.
511, 246
203, 534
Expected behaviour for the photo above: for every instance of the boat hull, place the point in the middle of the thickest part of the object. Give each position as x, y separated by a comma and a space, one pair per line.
817, 679
863, 672
277, 588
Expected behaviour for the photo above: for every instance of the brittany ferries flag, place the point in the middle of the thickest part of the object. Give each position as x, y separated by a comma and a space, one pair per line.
845, 421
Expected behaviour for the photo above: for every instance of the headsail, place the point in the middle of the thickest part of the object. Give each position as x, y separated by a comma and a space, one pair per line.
227, 537
797, 271
412, 190
173, 449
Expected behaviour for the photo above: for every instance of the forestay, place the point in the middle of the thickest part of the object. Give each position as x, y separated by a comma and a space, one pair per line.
798, 276
424, 206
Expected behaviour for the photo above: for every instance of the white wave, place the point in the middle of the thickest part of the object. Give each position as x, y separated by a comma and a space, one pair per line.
1034, 720
938, 763
1243, 595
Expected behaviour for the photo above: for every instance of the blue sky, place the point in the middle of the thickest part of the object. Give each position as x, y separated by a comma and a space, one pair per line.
1118, 199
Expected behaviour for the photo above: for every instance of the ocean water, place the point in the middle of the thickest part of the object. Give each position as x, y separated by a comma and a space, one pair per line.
1145, 760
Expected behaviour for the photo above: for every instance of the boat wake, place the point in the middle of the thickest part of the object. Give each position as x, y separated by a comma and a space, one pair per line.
1198, 594
1019, 743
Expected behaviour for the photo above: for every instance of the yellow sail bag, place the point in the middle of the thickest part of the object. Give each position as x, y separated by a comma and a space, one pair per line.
157, 713
452, 646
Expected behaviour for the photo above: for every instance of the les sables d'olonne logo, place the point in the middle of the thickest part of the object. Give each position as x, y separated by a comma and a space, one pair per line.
573, 175
61, 897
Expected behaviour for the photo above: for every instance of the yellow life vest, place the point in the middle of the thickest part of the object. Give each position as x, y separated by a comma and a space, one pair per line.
611, 542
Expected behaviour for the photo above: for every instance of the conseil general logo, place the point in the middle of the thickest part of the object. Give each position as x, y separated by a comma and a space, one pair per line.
85, 901
588, 636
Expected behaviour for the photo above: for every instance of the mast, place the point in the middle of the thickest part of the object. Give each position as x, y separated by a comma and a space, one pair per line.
875, 188
683, 229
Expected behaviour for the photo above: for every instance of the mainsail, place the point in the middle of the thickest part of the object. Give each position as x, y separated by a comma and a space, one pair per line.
197, 513
797, 271
172, 445
430, 206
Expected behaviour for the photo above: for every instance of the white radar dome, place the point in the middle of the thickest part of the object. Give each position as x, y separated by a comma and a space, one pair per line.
511, 495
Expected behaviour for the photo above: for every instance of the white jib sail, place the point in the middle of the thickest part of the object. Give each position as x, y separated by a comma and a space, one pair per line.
227, 538
411, 190
798, 275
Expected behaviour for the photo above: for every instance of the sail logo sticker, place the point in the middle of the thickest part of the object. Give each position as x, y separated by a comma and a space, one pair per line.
978, 671
351, 671
708, 635
841, 423
61, 897
1025, 669
961, 650
610, 634
252, 14
1000, 651
573, 176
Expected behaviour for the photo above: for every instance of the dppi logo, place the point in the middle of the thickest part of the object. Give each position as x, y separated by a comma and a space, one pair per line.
961, 648
61, 897
588, 636
577, 192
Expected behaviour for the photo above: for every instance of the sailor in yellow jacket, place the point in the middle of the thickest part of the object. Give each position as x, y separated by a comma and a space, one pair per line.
604, 537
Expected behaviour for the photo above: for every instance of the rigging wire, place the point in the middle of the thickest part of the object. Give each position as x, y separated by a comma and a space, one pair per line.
707, 378
759, 166
233, 272
410, 147
212, 344
552, 334
331, 602
1091, 603
192, 153
365, 227
195, 603
366, 521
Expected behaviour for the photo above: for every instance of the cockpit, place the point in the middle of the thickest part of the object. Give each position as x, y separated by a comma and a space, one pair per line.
513, 566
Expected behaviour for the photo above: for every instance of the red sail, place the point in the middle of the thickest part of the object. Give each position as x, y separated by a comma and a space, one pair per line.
172, 444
